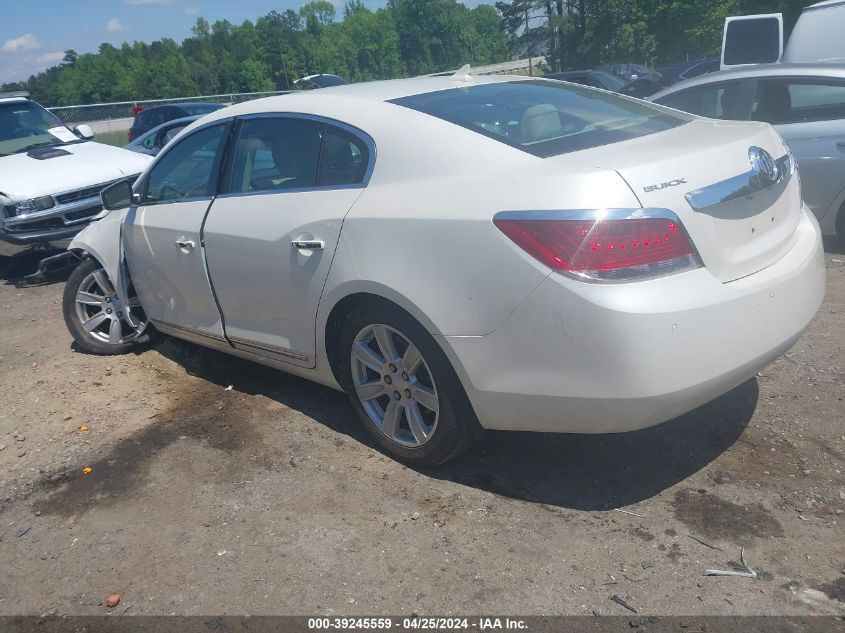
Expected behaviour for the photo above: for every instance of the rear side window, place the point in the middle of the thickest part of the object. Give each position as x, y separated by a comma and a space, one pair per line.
799, 100
718, 101
344, 159
544, 118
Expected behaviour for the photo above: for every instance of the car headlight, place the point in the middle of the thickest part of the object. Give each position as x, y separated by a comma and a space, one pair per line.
36, 204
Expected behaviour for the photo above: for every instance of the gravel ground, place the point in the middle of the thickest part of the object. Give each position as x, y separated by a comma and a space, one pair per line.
266, 497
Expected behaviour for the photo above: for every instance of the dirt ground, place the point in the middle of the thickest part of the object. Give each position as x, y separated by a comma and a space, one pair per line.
267, 498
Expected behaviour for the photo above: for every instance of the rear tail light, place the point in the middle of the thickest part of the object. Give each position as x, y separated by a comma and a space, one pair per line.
603, 245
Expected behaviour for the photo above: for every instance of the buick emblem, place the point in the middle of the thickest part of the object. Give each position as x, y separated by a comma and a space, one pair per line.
762, 163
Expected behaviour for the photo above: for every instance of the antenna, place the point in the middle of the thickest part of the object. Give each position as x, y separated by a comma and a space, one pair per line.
462, 74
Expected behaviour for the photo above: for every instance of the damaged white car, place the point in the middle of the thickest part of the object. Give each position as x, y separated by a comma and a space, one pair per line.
460, 253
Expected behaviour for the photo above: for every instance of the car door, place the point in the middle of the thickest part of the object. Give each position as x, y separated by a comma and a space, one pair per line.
809, 113
271, 237
161, 235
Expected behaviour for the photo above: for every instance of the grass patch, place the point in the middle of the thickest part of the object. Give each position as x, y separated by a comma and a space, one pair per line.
118, 139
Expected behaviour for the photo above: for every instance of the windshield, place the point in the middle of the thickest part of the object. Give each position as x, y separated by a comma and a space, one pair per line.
25, 124
608, 81
544, 118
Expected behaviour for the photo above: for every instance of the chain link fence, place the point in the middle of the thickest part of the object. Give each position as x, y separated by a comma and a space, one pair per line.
73, 115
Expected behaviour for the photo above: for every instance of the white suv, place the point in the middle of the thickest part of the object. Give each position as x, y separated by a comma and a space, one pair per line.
51, 176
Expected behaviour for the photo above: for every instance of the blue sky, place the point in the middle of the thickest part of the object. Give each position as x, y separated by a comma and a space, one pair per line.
35, 33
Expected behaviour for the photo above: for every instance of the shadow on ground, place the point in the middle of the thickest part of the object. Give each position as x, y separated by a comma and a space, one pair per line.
14, 270
583, 472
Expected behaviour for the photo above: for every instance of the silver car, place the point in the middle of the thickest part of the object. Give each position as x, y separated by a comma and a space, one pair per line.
152, 142
805, 103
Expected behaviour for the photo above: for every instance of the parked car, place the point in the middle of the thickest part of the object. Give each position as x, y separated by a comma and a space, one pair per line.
458, 253
324, 80
599, 79
153, 117
153, 141
688, 70
805, 103
51, 176
629, 72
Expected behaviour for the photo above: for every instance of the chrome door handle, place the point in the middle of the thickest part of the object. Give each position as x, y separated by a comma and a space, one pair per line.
186, 244
308, 245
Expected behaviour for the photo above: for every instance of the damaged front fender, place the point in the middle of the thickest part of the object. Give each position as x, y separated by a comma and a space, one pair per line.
102, 241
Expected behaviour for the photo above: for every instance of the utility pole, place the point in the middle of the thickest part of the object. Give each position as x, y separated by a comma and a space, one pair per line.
528, 37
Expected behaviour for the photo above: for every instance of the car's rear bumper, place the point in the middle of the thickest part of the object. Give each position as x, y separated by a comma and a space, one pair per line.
591, 358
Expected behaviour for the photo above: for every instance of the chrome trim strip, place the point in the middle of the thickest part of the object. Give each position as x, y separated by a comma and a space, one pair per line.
186, 330
241, 343
589, 214
276, 192
742, 186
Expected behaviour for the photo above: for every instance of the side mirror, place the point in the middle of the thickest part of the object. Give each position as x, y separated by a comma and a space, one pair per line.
118, 196
84, 131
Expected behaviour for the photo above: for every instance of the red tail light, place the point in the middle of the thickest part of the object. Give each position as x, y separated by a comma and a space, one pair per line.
603, 245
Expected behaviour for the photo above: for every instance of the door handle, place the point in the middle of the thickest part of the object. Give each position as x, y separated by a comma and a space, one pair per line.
308, 245
841, 143
186, 244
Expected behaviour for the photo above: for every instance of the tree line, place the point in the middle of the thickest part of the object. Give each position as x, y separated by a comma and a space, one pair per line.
577, 34
405, 38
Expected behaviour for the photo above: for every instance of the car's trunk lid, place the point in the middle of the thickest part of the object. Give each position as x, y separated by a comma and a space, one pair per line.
734, 238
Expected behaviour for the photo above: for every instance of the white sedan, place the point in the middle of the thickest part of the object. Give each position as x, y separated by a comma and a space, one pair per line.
460, 253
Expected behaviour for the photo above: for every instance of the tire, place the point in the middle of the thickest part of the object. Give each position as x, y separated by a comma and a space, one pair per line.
840, 228
90, 321
423, 417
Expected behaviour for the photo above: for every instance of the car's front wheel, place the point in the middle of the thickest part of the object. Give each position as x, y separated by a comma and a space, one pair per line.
404, 389
100, 321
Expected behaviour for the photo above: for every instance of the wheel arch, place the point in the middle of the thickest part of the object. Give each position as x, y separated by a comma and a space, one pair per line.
346, 301
101, 240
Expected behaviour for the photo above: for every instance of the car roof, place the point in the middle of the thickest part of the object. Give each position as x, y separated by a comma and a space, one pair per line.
835, 70
185, 104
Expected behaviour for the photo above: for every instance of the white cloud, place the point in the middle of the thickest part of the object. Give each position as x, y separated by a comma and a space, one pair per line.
192, 11
116, 26
50, 59
26, 42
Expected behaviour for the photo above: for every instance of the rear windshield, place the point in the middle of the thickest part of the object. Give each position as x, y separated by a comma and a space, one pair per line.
544, 118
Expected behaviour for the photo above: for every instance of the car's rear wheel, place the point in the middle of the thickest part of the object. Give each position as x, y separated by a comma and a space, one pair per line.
404, 389
100, 321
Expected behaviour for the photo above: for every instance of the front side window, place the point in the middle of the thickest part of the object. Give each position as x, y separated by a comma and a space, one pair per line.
188, 169
284, 153
781, 101
717, 101
25, 125
544, 118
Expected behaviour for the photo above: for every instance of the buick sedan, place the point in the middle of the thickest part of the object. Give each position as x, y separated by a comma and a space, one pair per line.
464, 253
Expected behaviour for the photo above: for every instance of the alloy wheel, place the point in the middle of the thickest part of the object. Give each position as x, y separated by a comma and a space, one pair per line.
104, 316
394, 385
